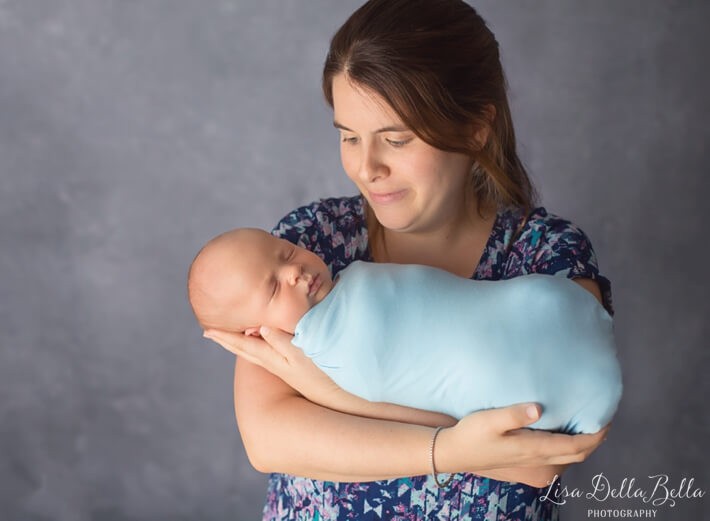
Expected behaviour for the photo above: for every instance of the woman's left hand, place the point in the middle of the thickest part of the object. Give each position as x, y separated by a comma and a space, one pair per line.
274, 352
539, 477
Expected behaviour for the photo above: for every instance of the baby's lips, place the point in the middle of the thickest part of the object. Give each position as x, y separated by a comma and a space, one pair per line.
314, 285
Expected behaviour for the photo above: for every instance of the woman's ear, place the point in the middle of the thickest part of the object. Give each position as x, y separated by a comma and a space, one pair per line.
483, 129
480, 137
252, 331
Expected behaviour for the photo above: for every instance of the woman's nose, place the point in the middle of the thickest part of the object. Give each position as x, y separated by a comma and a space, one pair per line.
371, 166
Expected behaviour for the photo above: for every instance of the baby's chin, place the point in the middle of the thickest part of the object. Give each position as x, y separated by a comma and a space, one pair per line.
290, 327
285, 326
323, 291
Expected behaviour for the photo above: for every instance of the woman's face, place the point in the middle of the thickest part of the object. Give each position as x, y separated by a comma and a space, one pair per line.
410, 185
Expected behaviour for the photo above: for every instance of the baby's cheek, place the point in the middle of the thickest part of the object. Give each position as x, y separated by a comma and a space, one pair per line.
291, 314
301, 310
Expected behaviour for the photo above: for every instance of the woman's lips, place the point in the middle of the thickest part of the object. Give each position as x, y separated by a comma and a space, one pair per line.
314, 286
387, 197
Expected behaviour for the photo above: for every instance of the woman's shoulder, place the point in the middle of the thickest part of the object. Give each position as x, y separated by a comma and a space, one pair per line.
321, 215
546, 229
529, 233
333, 227
550, 244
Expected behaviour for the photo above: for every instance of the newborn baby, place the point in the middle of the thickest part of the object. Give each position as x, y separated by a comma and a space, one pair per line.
420, 336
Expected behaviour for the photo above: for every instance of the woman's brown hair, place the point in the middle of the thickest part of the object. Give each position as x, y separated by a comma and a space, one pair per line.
437, 64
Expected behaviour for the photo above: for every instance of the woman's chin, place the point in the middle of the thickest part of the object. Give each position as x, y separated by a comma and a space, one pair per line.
393, 220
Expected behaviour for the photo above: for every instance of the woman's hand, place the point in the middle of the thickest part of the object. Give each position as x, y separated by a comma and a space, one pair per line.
496, 438
280, 357
274, 352
539, 477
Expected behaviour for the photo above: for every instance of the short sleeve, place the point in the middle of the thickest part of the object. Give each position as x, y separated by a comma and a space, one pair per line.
558, 247
332, 228
298, 227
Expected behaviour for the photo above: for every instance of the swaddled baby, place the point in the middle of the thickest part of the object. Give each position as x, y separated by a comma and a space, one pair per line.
420, 336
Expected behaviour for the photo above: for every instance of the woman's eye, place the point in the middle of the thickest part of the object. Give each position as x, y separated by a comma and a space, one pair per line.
398, 143
349, 140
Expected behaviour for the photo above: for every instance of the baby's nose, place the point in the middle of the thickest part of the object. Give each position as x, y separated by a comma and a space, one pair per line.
296, 273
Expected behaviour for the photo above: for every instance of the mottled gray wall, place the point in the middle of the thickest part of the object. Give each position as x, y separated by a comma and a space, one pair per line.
130, 132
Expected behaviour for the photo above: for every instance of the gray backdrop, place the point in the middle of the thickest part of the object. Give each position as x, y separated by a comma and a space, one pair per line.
131, 132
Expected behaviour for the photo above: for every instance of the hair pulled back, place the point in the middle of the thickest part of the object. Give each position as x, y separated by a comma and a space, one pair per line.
437, 64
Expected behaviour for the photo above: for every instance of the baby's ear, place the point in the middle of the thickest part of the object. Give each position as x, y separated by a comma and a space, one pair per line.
252, 331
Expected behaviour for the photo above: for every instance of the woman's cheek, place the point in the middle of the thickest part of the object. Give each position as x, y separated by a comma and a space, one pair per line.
349, 162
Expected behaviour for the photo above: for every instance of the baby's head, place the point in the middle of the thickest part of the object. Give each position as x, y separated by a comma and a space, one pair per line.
246, 278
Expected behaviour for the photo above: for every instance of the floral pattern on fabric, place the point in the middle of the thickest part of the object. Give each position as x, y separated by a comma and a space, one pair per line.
335, 230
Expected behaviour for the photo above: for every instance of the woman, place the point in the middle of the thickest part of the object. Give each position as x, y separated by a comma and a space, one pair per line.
418, 95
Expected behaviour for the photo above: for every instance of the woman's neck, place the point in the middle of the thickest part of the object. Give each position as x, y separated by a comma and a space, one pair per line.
455, 246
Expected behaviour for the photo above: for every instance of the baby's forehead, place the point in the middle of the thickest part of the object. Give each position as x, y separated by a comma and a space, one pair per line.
251, 253
263, 246
255, 236
242, 241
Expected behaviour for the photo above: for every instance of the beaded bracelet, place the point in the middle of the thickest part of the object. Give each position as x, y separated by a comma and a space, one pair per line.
433, 467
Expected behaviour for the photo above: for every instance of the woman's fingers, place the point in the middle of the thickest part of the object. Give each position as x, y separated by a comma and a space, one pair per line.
580, 446
512, 443
280, 341
514, 417
560, 449
593, 441
251, 348
274, 351
234, 343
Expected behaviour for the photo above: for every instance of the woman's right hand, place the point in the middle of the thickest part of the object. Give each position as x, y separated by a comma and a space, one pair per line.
497, 438
274, 352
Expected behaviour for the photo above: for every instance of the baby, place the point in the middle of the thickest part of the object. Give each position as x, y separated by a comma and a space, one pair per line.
420, 336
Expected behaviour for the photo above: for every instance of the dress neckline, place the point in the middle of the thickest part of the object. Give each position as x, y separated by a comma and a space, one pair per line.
490, 245
482, 261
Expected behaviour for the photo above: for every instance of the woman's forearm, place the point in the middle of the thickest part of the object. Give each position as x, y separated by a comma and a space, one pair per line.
345, 402
284, 432
320, 456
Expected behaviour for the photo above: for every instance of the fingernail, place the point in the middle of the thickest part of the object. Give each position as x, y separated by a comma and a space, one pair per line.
532, 412
207, 335
263, 331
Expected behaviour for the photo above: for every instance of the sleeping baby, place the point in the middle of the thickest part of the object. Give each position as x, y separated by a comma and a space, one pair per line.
420, 336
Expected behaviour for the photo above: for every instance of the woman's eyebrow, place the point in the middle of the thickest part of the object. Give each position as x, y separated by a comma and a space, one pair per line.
391, 128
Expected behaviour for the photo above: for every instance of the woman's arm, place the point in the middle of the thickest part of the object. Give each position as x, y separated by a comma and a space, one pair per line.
284, 432
592, 286
539, 477
343, 401
351, 404
319, 388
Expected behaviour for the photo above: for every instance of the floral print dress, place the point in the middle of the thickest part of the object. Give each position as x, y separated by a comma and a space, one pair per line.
335, 230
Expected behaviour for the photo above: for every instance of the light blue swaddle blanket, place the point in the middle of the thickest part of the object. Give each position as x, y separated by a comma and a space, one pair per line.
424, 338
